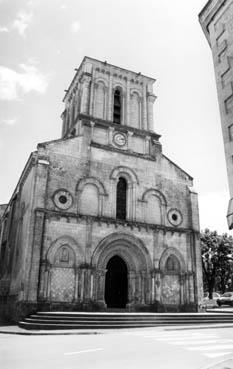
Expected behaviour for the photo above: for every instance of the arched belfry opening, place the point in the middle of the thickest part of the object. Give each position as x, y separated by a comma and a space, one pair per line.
116, 283
117, 107
121, 199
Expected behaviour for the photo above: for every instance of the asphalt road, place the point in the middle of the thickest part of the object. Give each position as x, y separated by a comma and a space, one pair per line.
157, 348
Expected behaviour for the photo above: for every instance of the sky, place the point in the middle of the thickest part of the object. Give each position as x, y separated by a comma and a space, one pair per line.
42, 42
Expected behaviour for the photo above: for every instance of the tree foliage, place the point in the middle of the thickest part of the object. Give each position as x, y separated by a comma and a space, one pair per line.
217, 261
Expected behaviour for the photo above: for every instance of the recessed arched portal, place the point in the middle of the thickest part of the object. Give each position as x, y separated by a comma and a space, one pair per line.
116, 283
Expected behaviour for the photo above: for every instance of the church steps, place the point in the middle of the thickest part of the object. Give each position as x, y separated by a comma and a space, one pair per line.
106, 321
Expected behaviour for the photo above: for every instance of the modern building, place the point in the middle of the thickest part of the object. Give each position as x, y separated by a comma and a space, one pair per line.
101, 218
216, 19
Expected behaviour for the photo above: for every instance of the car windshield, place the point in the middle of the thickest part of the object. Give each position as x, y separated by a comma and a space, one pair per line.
227, 294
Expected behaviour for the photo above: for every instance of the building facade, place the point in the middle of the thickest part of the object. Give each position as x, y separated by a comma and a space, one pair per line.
216, 19
101, 218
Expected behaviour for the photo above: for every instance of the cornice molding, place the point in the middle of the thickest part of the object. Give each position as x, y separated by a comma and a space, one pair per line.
117, 222
86, 119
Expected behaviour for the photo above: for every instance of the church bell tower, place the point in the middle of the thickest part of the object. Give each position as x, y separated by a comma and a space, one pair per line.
115, 99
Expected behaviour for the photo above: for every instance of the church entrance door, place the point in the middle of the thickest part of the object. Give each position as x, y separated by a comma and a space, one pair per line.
116, 283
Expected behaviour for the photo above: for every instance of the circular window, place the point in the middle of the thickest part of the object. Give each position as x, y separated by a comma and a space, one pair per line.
63, 199
174, 217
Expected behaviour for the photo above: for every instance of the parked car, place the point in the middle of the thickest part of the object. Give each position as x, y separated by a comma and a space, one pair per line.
215, 296
225, 299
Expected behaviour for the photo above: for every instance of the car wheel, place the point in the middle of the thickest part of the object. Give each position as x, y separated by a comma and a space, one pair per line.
219, 303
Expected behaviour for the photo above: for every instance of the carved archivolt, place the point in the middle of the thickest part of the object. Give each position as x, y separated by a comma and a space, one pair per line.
65, 249
156, 193
130, 248
94, 181
101, 81
172, 251
120, 87
125, 172
136, 92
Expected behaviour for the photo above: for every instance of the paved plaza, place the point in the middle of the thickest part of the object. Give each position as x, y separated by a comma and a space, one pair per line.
160, 348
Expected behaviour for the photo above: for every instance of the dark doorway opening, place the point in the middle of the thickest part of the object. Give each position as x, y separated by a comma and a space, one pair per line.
116, 283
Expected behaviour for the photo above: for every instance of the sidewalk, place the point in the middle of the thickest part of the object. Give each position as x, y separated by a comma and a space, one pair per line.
15, 330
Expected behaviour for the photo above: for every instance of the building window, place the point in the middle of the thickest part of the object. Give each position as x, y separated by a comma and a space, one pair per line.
121, 198
117, 107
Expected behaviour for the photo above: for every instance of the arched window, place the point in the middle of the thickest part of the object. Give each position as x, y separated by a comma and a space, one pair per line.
117, 107
121, 198
172, 264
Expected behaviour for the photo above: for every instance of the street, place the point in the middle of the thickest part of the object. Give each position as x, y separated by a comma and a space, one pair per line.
160, 348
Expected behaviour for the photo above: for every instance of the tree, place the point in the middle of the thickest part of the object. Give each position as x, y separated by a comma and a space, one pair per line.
217, 261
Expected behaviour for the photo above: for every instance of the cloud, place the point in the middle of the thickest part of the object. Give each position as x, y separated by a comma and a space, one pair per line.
75, 27
63, 6
22, 21
9, 122
4, 29
15, 84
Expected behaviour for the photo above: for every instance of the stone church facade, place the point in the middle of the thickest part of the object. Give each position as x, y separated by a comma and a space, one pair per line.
101, 218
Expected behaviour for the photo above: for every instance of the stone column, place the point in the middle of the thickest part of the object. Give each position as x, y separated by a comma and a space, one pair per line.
80, 284
129, 205
85, 101
158, 281
147, 145
128, 103
144, 109
152, 287
110, 135
182, 287
131, 287
91, 287
77, 89
76, 284
143, 273
45, 285
150, 118
92, 92
137, 296
95, 284
42, 282
101, 286
49, 284
86, 284
110, 94
113, 198
129, 140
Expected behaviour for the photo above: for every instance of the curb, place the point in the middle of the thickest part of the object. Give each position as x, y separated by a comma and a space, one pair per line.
49, 333
107, 331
